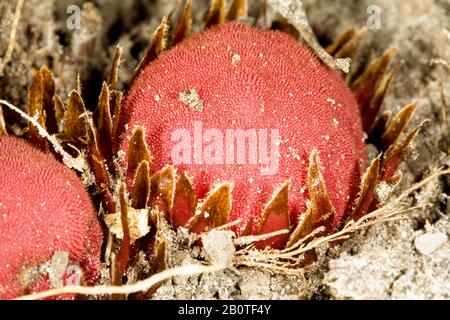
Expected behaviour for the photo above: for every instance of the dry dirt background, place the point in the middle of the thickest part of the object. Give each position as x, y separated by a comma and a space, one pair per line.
406, 259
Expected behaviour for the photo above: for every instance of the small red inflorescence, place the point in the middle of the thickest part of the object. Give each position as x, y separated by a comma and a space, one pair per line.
253, 108
44, 209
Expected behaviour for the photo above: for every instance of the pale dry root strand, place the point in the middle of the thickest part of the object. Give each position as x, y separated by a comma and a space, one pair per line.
140, 286
79, 164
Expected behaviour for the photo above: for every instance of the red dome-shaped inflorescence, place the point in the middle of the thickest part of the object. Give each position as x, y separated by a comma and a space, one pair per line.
245, 105
44, 209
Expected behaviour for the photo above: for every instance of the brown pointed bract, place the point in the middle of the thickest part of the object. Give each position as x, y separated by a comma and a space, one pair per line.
278, 206
276, 213
378, 127
237, 9
321, 211
372, 109
137, 151
341, 40
48, 84
347, 44
183, 29
301, 231
99, 168
3, 131
104, 123
36, 98
398, 125
36, 108
395, 154
156, 47
158, 262
116, 119
123, 257
214, 210
184, 201
141, 186
75, 122
163, 188
60, 109
368, 185
367, 85
114, 75
372, 74
216, 14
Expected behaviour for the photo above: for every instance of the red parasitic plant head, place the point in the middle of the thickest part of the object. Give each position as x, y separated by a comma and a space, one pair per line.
44, 209
244, 112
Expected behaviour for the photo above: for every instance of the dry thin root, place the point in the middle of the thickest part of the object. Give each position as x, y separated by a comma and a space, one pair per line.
144, 285
78, 163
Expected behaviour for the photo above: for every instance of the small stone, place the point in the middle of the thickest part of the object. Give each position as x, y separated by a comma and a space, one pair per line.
429, 242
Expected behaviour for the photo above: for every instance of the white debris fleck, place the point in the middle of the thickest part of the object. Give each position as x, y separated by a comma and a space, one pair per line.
343, 64
235, 59
335, 122
192, 99
330, 100
427, 243
294, 153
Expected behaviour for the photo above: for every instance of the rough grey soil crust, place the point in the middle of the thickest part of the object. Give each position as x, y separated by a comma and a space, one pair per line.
407, 259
